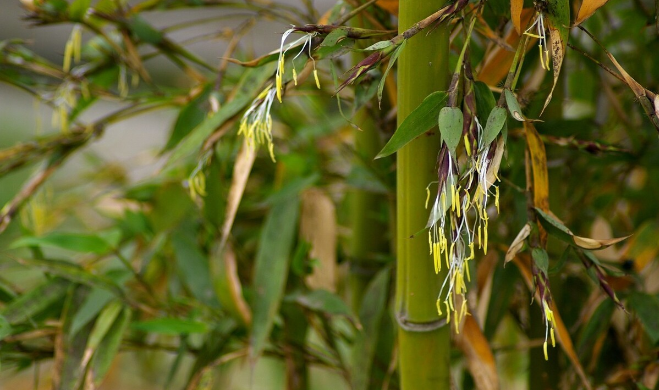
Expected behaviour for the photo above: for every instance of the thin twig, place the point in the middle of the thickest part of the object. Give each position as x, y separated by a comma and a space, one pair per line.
598, 63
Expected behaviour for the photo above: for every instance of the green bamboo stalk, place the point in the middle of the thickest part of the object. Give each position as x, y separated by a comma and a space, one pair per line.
423, 341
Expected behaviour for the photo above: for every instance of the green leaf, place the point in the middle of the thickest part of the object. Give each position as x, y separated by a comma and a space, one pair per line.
271, 270
103, 324
92, 305
144, 31
379, 45
554, 227
495, 122
76, 273
485, 101
172, 326
597, 324
334, 37
370, 315
109, 347
541, 259
194, 269
325, 302
513, 105
392, 61
562, 261
5, 327
422, 119
646, 307
35, 301
190, 116
78, 9
450, 126
78, 242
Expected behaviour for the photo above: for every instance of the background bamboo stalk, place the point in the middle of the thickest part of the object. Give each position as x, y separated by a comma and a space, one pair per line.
423, 343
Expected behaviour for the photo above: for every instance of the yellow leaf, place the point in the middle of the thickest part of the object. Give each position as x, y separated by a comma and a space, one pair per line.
538, 159
588, 7
498, 59
480, 360
516, 14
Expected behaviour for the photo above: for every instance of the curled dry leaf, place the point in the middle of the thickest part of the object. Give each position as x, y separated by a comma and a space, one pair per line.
587, 9
559, 20
592, 243
518, 243
493, 170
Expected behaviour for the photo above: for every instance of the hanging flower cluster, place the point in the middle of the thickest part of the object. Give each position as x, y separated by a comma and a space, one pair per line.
459, 218
256, 123
539, 24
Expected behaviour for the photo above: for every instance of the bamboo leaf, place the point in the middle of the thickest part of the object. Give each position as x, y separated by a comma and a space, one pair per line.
5, 327
538, 157
189, 117
422, 119
513, 105
478, 354
36, 300
587, 9
109, 347
541, 259
559, 230
94, 302
228, 288
144, 31
193, 267
646, 307
450, 127
171, 326
271, 270
101, 327
334, 37
78, 9
518, 243
370, 316
559, 22
597, 324
392, 61
78, 242
325, 302
516, 7
485, 101
495, 122
562, 334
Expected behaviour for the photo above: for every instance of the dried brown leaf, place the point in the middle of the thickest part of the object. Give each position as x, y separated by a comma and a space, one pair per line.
592, 243
518, 243
587, 9
516, 14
